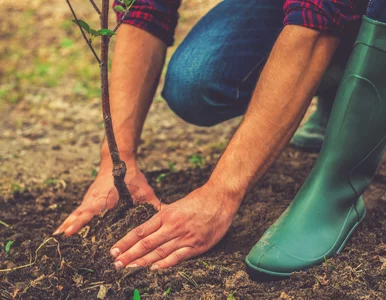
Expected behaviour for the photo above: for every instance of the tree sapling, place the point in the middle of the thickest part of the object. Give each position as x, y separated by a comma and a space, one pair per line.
89, 34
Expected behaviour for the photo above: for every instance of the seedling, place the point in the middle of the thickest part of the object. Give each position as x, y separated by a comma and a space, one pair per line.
85, 269
16, 188
8, 246
167, 292
190, 279
51, 182
160, 177
94, 173
89, 34
327, 263
232, 296
171, 166
197, 160
137, 295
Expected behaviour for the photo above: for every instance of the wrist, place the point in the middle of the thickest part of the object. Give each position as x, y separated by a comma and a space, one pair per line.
228, 199
107, 164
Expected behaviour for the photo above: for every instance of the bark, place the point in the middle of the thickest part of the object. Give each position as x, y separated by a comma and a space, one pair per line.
119, 167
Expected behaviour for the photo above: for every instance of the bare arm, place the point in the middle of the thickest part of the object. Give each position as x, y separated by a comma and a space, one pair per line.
137, 64
197, 222
283, 93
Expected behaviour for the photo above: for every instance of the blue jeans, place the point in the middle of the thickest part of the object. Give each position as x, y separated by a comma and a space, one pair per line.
212, 75
376, 10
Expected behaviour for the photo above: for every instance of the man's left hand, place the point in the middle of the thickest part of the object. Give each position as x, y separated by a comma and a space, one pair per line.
179, 231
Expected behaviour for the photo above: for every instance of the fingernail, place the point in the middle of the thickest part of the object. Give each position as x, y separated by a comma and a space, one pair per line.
118, 265
58, 231
132, 266
115, 252
154, 267
69, 229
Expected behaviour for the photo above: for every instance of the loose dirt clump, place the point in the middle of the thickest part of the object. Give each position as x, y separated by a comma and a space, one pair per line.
80, 267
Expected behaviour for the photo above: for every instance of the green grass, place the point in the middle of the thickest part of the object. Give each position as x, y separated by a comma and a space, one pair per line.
58, 59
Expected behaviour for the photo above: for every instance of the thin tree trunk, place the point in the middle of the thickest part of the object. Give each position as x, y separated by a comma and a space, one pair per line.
119, 167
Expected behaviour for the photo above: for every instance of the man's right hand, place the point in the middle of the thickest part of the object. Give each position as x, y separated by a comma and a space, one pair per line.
102, 195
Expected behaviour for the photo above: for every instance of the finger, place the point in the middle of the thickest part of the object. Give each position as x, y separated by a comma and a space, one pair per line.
174, 258
145, 246
70, 219
78, 223
157, 254
135, 235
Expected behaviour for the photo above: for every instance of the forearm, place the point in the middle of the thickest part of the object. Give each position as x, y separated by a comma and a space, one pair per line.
136, 67
283, 93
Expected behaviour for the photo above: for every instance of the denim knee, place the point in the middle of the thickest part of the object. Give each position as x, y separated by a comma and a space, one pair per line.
376, 10
189, 85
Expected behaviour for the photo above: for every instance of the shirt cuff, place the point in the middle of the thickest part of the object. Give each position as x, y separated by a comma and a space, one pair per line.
158, 17
325, 16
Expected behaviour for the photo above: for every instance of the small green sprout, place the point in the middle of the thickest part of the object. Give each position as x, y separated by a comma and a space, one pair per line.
232, 296
167, 292
197, 160
172, 166
51, 182
327, 264
190, 279
85, 269
16, 188
160, 177
8, 246
137, 295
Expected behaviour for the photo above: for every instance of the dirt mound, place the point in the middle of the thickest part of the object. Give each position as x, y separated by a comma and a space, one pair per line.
80, 267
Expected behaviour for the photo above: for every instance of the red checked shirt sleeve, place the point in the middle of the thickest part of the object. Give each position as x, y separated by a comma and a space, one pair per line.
330, 16
158, 17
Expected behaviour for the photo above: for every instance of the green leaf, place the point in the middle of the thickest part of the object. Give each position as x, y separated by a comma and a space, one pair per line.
83, 24
106, 32
119, 8
128, 2
167, 292
232, 296
94, 32
8, 246
137, 295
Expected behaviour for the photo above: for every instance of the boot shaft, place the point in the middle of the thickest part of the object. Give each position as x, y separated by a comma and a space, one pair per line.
357, 127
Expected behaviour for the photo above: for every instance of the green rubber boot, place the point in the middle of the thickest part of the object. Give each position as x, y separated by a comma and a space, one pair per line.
310, 136
329, 206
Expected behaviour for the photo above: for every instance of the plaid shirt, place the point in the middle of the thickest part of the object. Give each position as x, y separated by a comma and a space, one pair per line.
159, 17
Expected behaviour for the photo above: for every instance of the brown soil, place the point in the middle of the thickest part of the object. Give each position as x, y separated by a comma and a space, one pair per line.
80, 267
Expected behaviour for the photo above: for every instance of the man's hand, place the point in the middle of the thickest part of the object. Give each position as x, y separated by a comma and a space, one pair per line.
102, 195
186, 228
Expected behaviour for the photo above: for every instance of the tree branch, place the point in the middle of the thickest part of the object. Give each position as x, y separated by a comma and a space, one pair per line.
123, 17
84, 35
96, 7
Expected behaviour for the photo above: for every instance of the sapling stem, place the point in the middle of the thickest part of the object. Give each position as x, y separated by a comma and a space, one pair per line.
119, 166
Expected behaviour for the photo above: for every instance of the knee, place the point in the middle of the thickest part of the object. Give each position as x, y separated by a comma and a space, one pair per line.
187, 89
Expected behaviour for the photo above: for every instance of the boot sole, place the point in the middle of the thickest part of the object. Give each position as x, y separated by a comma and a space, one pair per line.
265, 275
